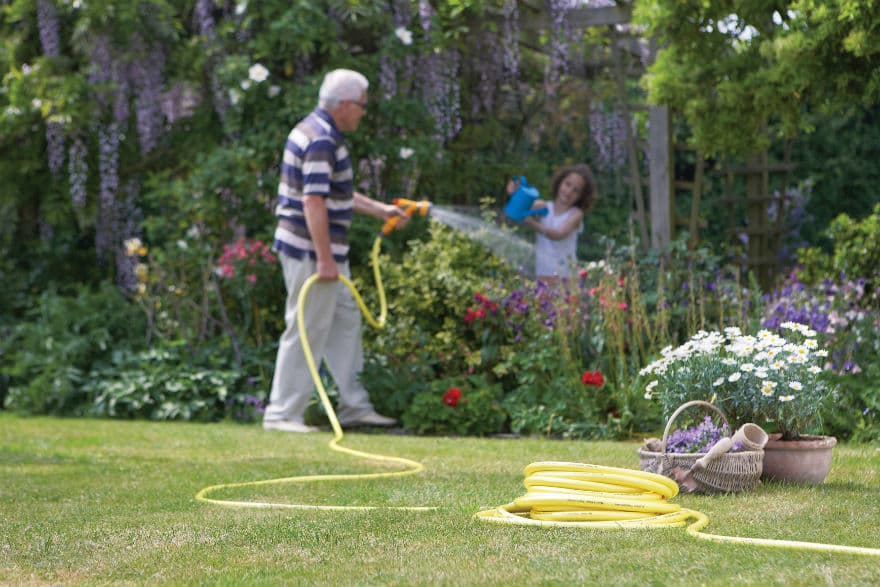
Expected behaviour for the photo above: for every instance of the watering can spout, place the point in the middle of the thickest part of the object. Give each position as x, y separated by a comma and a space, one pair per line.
519, 206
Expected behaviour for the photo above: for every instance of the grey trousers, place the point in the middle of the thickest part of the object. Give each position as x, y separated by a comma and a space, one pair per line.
333, 329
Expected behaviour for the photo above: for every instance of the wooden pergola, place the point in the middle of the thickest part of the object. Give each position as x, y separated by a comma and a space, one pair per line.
534, 20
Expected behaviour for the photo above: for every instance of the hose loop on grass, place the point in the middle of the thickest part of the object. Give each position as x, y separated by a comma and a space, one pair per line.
413, 467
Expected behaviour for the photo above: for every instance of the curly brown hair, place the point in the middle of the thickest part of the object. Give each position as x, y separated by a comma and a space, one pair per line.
588, 195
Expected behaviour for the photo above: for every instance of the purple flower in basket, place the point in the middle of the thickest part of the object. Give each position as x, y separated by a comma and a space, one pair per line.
694, 439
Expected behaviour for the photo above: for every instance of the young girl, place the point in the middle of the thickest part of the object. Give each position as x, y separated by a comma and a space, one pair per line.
574, 191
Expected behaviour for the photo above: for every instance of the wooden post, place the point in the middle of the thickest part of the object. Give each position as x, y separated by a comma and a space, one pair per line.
660, 186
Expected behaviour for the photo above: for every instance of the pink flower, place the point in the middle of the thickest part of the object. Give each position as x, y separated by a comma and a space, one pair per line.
252, 278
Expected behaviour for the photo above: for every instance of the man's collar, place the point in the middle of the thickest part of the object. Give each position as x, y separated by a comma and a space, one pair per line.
325, 116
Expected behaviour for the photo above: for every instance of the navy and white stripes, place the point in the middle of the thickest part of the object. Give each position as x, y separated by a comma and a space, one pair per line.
316, 162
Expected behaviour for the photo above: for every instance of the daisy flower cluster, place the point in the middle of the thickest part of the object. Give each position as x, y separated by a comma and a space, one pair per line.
772, 379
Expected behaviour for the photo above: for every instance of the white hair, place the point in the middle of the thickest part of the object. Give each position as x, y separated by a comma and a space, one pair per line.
340, 85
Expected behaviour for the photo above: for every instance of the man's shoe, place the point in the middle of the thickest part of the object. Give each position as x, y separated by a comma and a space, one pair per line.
288, 426
371, 419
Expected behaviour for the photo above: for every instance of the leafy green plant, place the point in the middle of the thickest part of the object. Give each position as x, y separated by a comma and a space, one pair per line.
460, 406
163, 384
47, 356
856, 253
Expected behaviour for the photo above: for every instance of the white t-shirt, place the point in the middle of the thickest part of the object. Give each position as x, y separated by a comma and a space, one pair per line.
556, 257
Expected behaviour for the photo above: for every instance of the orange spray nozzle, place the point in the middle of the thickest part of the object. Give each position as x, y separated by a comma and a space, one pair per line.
410, 207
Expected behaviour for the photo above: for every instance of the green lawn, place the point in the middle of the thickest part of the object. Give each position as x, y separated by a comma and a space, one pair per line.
109, 502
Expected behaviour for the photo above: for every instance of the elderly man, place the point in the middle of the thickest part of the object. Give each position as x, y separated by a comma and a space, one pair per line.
316, 201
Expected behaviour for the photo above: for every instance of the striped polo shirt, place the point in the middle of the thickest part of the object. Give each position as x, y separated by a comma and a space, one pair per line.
316, 162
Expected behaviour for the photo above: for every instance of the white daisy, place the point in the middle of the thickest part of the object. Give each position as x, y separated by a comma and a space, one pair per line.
257, 73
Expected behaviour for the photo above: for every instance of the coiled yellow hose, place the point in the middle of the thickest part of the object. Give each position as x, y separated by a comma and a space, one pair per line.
558, 494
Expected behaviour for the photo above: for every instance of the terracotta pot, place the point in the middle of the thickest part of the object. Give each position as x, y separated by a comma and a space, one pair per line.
807, 460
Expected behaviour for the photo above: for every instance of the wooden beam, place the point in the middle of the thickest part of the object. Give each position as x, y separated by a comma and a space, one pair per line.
577, 17
660, 161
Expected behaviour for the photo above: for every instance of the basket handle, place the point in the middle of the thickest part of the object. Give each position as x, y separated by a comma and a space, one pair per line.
682, 408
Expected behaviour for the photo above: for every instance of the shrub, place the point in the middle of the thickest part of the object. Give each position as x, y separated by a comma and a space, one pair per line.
457, 406
48, 356
856, 252
163, 383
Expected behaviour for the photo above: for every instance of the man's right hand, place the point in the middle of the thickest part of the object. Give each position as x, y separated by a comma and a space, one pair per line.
327, 270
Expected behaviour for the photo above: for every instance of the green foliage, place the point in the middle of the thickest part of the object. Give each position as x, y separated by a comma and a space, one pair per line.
856, 252
48, 356
428, 292
163, 384
477, 412
744, 71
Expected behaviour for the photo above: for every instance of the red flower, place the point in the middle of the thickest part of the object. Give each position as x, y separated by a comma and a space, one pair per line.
451, 397
470, 315
593, 378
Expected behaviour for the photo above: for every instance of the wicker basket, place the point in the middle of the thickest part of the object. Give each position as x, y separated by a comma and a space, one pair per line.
728, 473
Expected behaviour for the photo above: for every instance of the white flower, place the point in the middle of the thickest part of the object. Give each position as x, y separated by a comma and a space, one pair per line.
761, 373
796, 385
132, 246
257, 73
767, 387
718, 382
814, 369
245, 84
193, 232
406, 152
240, 8
404, 34
274, 91
734, 376
181, 244
821, 353
786, 398
747, 367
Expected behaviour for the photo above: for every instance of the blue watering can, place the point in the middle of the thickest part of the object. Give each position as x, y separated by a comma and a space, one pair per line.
520, 202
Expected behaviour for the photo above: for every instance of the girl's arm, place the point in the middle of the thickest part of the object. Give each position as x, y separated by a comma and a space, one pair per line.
532, 220
570, 225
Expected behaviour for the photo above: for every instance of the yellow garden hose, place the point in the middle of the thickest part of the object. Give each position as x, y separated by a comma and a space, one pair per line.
414, 467
558, 494
579, 495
